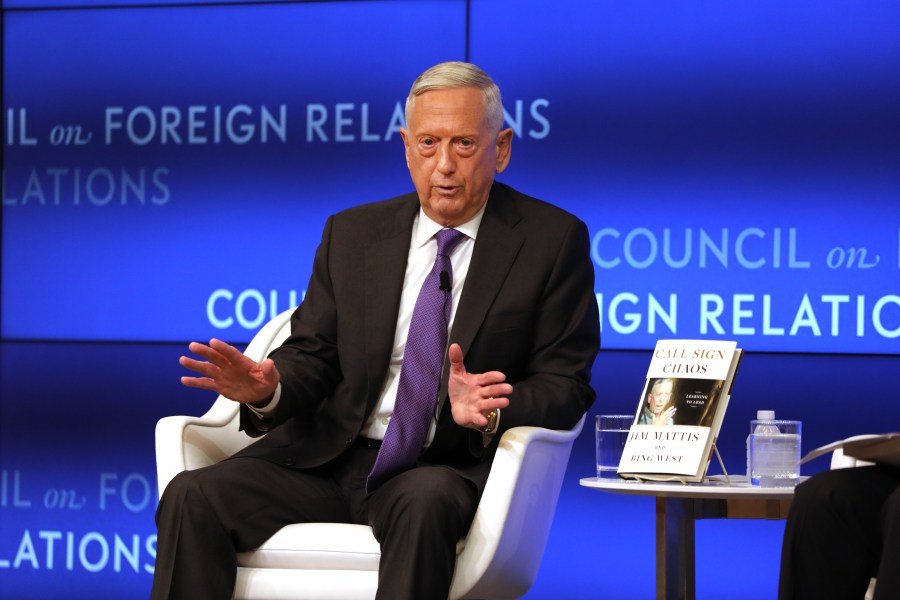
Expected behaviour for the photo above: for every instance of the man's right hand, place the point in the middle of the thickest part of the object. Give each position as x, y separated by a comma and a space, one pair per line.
664, 417
230, 373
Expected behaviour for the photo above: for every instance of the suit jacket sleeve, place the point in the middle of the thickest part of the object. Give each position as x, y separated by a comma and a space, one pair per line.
553, 388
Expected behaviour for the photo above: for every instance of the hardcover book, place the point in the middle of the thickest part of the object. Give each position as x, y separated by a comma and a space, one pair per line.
680, 410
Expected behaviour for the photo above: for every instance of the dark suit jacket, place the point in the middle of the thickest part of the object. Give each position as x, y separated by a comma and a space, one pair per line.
527, 309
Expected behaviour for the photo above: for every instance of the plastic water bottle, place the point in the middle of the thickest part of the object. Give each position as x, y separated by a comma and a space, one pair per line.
773, 455
761, 415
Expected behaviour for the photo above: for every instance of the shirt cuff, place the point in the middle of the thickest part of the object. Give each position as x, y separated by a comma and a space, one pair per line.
269, 409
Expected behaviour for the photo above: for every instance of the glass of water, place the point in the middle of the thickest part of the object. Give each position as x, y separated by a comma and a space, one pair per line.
612, 431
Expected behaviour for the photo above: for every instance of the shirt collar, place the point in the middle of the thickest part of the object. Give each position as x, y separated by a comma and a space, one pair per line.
425, 228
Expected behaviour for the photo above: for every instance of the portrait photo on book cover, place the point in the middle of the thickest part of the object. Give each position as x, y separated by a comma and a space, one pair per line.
679, 401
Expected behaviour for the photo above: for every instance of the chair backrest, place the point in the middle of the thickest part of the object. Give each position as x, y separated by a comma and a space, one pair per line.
839, 460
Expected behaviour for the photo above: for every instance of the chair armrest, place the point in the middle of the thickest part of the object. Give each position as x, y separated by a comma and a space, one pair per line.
506, 541
185, 443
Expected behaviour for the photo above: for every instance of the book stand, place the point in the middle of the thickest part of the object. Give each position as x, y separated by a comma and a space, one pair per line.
706, 477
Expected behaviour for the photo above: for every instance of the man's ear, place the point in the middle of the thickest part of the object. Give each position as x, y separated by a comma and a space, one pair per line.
504, 148
405, 135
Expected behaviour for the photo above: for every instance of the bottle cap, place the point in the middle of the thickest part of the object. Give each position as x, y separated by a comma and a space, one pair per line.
765, 415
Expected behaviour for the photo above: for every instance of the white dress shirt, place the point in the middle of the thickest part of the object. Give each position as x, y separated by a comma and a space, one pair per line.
422, 252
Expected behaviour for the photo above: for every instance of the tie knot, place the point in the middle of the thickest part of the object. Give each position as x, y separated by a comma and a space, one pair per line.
447, 240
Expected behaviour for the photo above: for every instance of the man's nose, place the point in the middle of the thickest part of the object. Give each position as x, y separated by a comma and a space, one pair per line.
446, 161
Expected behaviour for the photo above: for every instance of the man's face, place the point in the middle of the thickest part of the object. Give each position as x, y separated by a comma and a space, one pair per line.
660, 396
452, 154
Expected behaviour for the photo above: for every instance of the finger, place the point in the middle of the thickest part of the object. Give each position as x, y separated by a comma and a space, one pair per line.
231, 354
269, 371
479, 410
489, 378
210, 354
496, 390
455, 354
204, 368
489, 404
200, 382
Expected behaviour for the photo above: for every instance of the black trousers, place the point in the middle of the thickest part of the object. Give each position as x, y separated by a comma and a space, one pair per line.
208, 515
843, 528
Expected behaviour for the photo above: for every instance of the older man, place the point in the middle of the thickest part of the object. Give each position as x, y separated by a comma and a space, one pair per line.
658, 409
374, 413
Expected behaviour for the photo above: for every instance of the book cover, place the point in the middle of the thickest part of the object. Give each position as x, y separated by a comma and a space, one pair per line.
680, 410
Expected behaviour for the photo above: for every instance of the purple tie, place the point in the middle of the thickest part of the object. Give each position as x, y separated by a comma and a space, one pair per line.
420, 375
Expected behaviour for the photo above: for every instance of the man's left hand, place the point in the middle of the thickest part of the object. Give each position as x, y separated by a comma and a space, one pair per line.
474, 395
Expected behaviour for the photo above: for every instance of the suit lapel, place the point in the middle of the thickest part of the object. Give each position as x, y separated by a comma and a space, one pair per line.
496, 248
385, 267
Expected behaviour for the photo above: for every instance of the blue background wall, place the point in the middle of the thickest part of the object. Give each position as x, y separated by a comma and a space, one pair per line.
168, 169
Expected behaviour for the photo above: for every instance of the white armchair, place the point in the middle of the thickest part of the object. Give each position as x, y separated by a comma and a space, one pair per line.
498, 559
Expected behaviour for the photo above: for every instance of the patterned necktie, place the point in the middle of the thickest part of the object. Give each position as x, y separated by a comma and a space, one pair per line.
420, 375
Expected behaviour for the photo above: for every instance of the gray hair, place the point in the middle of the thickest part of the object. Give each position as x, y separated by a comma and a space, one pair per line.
455, 74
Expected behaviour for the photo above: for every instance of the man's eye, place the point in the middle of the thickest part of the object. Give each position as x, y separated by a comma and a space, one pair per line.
466, 143
427, 142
